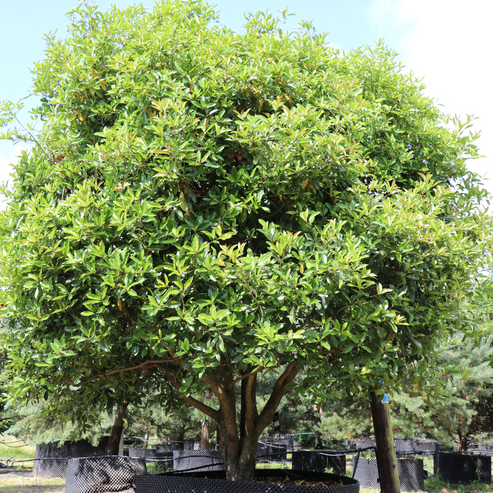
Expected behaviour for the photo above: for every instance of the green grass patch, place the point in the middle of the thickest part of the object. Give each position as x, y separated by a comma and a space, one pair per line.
16, 452
273, 465
18, 484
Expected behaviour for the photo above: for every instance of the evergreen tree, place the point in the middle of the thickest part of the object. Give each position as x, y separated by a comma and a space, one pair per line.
453, 405
203, 206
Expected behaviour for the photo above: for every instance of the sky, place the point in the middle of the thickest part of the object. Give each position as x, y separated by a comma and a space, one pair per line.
448, 43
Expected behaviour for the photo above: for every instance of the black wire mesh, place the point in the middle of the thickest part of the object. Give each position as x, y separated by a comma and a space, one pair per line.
410, 472
51, 458
180, 483
103, 474
319, 461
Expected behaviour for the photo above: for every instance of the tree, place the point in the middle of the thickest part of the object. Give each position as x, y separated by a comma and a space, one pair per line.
454, 405
204, 207
35, 424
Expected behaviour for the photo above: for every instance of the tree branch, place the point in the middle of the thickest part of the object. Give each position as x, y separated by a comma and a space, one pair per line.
277, 394
250, 397
209, 411
143, 366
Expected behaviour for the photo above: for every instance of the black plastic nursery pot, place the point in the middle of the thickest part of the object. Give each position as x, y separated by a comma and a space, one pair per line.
51, 458
201, 460
156, 461
103, 474
215, 482
319, 461
410, 472
456, 468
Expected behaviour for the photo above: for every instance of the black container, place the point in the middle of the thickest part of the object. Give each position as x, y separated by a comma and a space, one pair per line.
426, 446
410, 472
455, 467
403, 446
319, 461
198, 460
214, 482
51, 458
267, 452
107, 473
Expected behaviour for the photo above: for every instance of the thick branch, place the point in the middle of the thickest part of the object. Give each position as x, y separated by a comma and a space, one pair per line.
278, 392
248, 402
209, 411
143, 366
250, 397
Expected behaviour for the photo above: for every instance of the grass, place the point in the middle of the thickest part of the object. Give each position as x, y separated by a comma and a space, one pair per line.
436, 485
13, 450
16, 483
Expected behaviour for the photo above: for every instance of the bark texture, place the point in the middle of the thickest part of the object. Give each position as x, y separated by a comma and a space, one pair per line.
115, 439
384, 438
238, 441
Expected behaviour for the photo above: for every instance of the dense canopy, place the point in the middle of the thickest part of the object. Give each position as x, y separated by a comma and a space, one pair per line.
203, 206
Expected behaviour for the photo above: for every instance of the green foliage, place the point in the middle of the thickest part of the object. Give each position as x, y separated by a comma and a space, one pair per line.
36, 424
201, 206
483, 300
346, 422
180, 423
459, 412
451, 406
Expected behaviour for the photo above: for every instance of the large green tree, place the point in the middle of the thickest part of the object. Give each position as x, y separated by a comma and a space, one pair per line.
206, 206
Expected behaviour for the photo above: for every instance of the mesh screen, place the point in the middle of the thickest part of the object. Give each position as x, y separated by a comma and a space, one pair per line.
186, 484
50, 467
51, 458
184, 460
103, 474
410, 473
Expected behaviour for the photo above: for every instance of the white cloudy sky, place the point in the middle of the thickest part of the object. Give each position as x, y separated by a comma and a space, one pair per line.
448, 42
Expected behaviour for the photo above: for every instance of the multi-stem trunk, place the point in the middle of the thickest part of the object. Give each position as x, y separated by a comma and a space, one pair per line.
238, 441
239, 449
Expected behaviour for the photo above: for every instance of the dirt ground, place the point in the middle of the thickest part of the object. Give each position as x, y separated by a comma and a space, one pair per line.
25, 482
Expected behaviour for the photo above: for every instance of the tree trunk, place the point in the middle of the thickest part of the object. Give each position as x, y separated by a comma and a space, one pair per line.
386, 458
239, 443
463, 443
239, 466
204, 435
239, 453
116, 434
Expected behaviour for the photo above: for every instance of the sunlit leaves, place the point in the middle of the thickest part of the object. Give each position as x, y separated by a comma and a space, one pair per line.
217, 200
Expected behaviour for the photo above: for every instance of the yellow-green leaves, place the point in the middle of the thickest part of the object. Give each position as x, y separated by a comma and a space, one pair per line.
215, 200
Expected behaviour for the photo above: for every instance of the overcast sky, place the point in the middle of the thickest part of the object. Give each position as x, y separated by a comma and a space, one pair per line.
447, 42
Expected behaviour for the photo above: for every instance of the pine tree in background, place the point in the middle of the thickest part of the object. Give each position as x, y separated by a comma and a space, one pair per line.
454, 405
